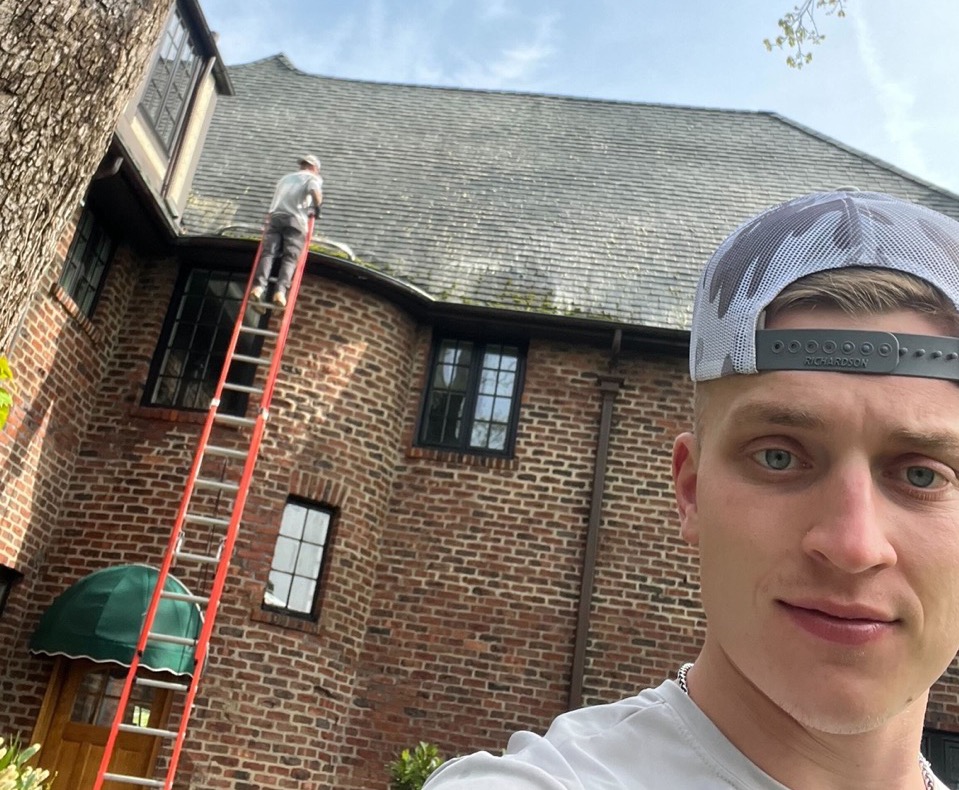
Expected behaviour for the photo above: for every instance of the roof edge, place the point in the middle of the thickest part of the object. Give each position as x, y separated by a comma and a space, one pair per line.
285, 60
427, 307
209, 41
862, 155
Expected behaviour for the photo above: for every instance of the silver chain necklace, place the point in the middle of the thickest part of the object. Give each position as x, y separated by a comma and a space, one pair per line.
927, 776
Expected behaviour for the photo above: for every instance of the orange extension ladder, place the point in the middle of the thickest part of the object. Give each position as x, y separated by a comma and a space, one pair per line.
207, 600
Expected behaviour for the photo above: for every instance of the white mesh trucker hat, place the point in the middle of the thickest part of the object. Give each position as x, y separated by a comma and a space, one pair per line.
824, 230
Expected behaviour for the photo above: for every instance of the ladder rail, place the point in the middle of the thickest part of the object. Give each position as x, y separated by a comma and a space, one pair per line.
237, 327
219, 581
232, 530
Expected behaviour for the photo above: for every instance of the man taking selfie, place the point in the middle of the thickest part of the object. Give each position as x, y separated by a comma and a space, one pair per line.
820, 487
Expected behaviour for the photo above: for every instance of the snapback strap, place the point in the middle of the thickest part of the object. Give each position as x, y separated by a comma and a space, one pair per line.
858, 351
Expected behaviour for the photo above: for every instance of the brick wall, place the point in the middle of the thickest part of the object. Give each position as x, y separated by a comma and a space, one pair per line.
478, 585
646, 614
59, 359
449, 609
275, 684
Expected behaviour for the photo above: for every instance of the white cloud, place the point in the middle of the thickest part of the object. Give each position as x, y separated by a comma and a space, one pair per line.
494, 10
371, 42
493, 44
514, 66
896, 99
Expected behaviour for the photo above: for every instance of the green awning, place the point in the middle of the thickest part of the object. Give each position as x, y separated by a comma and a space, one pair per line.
99, 618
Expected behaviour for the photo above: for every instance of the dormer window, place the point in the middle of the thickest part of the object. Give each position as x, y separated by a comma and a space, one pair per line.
167, 95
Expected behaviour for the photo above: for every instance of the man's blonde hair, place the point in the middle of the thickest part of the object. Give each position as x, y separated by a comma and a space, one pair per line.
859, 291
856, 291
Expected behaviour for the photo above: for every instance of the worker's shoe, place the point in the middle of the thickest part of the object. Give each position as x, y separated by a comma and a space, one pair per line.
279, 299
256, 296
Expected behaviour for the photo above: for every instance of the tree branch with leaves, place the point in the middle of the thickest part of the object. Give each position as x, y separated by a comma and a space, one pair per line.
799, 29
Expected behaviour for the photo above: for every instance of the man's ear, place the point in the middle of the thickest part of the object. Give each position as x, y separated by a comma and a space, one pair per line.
685, 477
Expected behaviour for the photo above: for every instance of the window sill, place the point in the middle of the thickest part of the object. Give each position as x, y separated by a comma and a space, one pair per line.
166, 414
280, 620
466, 459
73, 310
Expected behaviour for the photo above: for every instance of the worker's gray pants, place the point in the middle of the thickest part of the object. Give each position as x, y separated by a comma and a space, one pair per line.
283, 237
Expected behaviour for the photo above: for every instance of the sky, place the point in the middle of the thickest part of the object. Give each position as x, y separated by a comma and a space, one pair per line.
885, 81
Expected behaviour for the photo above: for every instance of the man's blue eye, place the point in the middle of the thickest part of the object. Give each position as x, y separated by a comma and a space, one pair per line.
920, 476
777, 459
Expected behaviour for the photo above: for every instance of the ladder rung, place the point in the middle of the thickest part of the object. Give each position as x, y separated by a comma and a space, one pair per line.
185, 555
179, 537
251, 360
255, 330
148, 731
228, 452
186, 597
173, 640
134, 780
207, 521
229, 419
162, 684
218, 485
242, 388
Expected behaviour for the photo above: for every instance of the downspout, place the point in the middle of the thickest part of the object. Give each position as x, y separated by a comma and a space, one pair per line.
609, 384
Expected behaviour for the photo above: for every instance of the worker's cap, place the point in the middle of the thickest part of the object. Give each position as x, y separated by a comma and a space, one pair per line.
309, 159
813, 233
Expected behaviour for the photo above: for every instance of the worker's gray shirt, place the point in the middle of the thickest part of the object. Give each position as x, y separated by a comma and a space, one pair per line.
293, 196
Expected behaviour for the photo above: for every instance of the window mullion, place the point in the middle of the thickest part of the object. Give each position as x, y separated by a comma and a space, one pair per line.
472, 394
174, 63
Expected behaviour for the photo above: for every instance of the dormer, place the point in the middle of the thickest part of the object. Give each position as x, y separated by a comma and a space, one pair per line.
160, 133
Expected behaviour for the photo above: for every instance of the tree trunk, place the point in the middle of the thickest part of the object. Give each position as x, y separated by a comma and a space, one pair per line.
67, 70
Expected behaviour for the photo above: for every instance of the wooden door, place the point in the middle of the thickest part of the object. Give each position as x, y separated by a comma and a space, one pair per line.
74, 725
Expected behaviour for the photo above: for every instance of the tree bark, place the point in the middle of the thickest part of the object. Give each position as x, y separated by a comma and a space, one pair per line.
67, 70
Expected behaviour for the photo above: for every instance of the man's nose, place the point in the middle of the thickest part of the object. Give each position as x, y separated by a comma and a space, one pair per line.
848, 523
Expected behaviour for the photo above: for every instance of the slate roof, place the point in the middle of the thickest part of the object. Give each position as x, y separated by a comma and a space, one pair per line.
549, 204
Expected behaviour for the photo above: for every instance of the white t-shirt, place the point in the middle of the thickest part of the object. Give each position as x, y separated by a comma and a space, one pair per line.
657, 740
293, 194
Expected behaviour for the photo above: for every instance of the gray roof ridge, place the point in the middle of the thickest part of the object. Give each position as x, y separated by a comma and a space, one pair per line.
284, 60
280, 57
862, 154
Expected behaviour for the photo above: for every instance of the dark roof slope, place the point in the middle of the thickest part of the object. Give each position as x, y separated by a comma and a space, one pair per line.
527, 202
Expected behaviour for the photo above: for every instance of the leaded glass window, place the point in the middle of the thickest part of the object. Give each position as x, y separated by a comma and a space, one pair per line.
298, 558
472, 397
195, 341
87, 262
167, 94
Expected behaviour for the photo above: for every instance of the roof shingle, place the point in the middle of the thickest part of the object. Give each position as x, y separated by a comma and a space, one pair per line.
535, 203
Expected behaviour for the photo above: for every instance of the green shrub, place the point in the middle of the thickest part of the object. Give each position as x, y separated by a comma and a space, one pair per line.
410, 770
15, 774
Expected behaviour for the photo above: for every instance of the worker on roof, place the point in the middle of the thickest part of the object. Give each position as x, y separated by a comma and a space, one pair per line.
298, 195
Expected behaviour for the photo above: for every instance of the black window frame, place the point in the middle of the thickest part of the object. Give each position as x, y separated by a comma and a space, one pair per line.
163, 85
320, 579
9, 578
87, 262
210, 357
468, 418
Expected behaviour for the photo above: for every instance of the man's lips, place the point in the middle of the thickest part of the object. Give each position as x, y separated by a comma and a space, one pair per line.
839, 622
